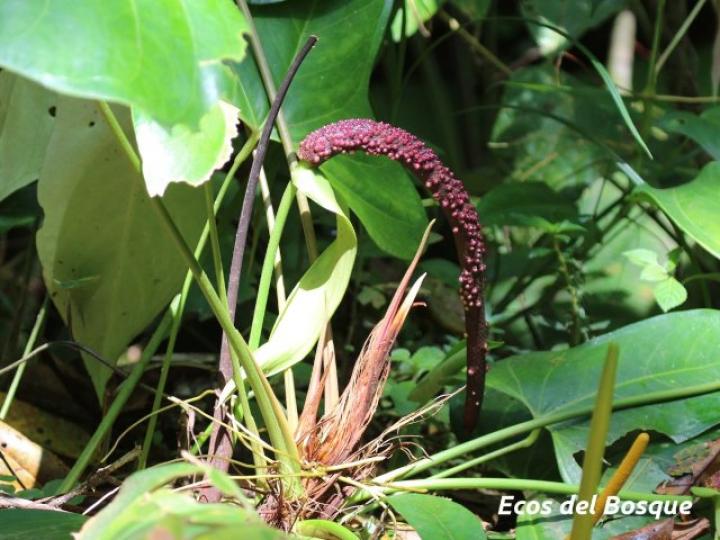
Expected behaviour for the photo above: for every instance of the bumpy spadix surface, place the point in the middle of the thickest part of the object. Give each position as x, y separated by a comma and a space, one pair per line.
381, 139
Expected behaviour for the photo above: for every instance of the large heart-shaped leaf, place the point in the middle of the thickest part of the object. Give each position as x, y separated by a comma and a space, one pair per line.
333, 84
183, 131
27, 115
668, 351
107, 261
163, 57
694, 206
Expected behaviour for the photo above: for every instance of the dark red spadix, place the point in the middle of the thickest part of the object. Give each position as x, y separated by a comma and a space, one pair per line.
381, 139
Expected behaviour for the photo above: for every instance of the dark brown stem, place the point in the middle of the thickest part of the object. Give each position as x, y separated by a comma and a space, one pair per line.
220, 450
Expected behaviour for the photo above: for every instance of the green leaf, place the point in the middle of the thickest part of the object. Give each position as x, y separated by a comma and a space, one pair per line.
518, 203
668, 351
319, 292
703, 128
145, 509
572, 16
556, 525
101, 234
183, 131
670, 293
181, 154
26, 122
646, 259
694, 206
415, 13
438, 518
642, 257
24, 524
126, 47
332, 84
383, 197
476, 9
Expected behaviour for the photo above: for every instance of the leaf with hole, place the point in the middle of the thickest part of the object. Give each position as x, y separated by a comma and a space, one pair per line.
27, 116
102, 235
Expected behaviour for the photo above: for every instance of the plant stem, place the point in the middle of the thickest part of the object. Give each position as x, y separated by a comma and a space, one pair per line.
650, 84
517, 484
211, 225
575, 309
32, 339
288, 377
263, 289
541, 422
241, 156
582, 523
527, 442
274, 418
124, 392
475, 44
220, 443
678, 36
289, 148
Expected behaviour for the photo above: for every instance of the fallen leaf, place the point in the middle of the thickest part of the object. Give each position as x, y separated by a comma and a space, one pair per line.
30, 462
57, 434
697, 465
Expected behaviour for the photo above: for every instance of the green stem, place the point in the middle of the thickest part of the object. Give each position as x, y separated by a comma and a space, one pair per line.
273, 415
575, 309
435, 379
520, 484
541, 422
263, 290
124, 392
678, 36
32, 339
270, 408
527, 442
582, 524
650, 85
177, 313
201, 440
211, 224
